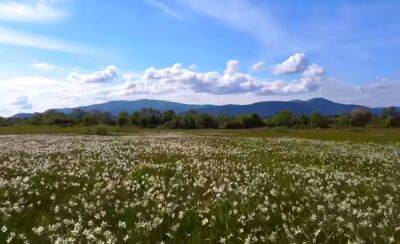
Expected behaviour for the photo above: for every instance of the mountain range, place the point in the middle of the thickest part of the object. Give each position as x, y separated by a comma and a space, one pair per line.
264, 109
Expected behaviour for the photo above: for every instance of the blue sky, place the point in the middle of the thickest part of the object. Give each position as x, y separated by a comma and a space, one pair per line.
63, 53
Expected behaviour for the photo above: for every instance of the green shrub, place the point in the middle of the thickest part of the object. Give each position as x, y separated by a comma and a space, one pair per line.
318, 121
233, 125
100, 130
284, 118
360, 117
391, 121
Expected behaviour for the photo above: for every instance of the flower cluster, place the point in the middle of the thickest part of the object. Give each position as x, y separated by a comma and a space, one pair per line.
175, 188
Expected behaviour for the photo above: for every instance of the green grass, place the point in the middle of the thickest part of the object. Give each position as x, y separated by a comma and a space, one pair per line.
49, 129
39, 129
348, 134
186, 188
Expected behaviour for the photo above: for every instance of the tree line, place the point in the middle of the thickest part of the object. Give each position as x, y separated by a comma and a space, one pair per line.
150, 118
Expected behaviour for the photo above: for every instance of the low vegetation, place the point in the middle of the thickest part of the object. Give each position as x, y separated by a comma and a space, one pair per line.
150, 118
181, 188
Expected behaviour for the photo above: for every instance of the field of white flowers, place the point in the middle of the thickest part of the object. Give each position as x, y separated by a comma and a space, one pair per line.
180, 188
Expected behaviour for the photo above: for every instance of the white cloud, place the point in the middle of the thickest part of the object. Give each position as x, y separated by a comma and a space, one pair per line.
232, 81
311, 79
110, 74
192, 67
260, 66
313, 70
44, 93
21, 102
232, 67
43, 66
374, 86
164, 8
29, 11
26, 39
181, 84
294, 64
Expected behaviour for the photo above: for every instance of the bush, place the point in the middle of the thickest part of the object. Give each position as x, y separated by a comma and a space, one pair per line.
251, 121
88, 120
123, 119
233, 125
99, 130
283, 118
319, 121
360, 117
342, 121
175, 123
391, 121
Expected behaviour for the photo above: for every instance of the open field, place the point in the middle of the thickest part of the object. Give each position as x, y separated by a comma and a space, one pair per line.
351, 134
179, 187
348, 134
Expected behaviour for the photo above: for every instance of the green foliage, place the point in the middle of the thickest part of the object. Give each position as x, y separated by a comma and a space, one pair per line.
341, 121
150, 118
100, 130
77, 114
3, 121
360, 117
205, 121
284, 118
233, 125
390, 112
318, 121
391, 121
123, 119
103, 118
147, 118
88, 120
168, 116
302, 122
52, 117
189, 122
175, 123
251, 121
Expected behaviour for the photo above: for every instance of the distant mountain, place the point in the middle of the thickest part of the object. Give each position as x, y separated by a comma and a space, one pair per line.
116, 107
264, 109
22, 116
298, 107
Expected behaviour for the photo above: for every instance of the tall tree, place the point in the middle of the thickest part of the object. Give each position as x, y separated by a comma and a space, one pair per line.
123, 119
360, 117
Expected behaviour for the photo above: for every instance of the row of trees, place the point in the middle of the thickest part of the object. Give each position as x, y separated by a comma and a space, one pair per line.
150, 118
390, 117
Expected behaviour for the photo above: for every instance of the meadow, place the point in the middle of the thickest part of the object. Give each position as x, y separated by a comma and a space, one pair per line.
352, 134
180, 187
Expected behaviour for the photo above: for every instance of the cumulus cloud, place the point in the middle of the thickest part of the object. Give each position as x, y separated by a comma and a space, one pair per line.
21, 102
314, 70
232, 67
181, 84
29, 11
107, 75
260, 66
294, 64
231, 81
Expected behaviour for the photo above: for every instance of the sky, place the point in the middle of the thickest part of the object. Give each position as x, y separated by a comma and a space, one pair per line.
68, 53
